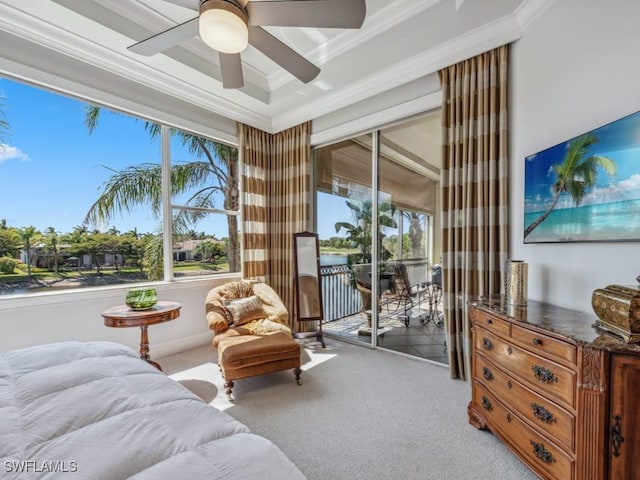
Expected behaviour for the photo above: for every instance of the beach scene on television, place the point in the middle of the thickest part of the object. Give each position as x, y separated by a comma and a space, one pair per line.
587, 188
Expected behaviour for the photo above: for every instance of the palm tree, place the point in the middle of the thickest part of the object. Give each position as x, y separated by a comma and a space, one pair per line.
214, 171
415, 233
360, 232
77, 238
9, 241
52, 241
132, 233
576, 174
4, 127
26, 234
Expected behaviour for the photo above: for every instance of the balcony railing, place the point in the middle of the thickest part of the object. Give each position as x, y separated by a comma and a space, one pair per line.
340, 298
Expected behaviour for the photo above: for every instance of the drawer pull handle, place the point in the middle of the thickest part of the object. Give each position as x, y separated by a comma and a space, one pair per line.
486, 373
541, 452
510, 350
616, 436
508, 418
537, 341
489, 321
544, 374
543, 414
509, 384
486, 404
487, 344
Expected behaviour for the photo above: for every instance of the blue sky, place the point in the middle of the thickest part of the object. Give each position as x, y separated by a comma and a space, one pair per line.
52, 169
619, 140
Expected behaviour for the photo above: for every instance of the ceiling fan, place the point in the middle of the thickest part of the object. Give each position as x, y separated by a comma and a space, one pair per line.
228, 26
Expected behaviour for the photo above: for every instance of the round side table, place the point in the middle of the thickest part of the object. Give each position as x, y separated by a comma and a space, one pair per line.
122, 316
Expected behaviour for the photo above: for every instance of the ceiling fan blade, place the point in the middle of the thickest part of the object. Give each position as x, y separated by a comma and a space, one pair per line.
167, 39
308, 13
284, 56
231, 67
191, 4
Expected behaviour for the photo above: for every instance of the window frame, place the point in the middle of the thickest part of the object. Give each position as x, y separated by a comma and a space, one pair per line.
6, 300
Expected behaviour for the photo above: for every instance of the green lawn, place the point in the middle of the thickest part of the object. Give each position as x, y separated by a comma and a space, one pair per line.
44, 275
339, 251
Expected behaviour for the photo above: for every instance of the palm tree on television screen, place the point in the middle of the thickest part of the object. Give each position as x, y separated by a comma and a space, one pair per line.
576, 174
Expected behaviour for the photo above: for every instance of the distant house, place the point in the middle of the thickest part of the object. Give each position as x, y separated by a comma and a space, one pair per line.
185, 251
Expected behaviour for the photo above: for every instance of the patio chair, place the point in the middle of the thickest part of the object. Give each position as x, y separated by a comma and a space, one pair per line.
435, 295
407, 296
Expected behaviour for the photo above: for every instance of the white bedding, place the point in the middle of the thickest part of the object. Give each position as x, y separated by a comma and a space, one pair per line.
96, 411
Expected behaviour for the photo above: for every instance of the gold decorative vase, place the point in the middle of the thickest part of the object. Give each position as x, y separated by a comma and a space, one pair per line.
516, 282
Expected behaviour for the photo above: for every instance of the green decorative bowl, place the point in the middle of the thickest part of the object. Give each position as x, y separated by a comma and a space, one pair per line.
141, 298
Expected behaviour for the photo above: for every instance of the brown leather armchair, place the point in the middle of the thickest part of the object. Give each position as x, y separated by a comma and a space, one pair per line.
252, 334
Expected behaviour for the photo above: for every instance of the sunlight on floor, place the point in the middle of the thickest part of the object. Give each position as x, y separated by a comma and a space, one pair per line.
195, 371
316, 359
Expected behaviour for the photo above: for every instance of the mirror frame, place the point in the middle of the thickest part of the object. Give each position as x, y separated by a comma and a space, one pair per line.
303, 242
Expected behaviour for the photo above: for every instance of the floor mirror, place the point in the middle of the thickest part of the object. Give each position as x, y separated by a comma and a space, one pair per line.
307, 285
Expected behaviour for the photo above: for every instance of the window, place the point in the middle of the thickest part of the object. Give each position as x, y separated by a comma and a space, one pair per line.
81, 202
205, 205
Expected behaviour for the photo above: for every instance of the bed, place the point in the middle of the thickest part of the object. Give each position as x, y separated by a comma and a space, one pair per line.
96, 411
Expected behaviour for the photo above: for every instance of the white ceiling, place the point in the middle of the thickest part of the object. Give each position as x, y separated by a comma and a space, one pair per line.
82, 45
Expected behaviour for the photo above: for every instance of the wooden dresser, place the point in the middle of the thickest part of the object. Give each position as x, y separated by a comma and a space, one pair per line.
562, 395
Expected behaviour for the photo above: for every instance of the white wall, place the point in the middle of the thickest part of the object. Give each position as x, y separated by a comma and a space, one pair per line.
52, 317
575, 68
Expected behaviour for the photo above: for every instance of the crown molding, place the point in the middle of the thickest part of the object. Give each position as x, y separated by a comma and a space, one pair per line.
530, 10
492, 35
29, 75
32, 29
385, 19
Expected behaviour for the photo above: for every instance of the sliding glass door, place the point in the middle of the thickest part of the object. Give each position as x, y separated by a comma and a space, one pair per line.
376, 214
344, 174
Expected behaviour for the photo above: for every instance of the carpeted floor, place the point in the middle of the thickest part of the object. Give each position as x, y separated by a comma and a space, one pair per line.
359, 414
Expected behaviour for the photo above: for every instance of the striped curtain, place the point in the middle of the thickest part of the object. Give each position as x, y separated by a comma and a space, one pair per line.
277, 203
474, 192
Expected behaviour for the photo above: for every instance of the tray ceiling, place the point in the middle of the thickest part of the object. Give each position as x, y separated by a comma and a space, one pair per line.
400, 41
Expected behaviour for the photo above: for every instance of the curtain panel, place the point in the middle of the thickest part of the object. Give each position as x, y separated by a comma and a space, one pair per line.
474, 192
276, 185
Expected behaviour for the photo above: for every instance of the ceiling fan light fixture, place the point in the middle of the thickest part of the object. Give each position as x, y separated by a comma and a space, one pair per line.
223, 26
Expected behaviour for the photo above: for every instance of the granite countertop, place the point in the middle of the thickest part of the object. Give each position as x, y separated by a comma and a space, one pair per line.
572, 324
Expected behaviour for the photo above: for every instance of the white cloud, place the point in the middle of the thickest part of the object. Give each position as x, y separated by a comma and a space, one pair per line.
9, 152
631, 183
627, 189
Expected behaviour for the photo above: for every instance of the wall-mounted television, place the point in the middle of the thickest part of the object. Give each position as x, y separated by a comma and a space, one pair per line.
586, 189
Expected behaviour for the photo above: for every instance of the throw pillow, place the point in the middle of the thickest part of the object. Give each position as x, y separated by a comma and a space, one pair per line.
244, 310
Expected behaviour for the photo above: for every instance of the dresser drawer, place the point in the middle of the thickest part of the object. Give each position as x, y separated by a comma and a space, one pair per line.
491, 323
543, 375
558, 423
547, 458
543, 344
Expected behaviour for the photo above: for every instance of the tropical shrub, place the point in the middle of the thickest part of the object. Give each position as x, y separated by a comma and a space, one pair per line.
7, 265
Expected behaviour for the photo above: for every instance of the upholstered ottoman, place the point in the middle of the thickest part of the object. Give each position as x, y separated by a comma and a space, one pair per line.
245, 356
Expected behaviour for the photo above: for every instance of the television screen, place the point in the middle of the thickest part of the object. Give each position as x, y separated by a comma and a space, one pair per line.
587, 188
